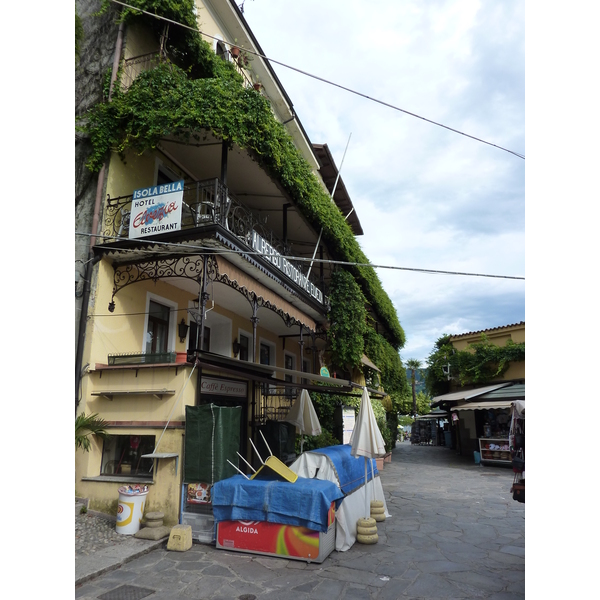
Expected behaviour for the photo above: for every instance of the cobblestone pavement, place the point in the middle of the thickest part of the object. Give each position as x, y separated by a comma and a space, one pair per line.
94, 532
454, 532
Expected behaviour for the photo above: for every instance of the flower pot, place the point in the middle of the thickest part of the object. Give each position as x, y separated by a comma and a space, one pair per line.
181, 357
234, 51
379, 462
387, 458
257, 86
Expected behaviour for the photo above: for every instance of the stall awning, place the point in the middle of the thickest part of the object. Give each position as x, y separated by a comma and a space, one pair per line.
266, 374
465, 395
482, 405
434, 414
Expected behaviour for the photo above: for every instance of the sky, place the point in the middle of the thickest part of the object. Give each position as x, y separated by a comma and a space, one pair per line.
427, 197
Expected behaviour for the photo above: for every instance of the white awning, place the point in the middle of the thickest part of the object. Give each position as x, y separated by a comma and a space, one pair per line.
467, 394
482, 405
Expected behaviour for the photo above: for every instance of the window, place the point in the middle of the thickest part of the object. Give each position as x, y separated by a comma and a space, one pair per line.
122, 455
244, 347
306, 369
221, 50
265, 354
289, 362
192, 338
164, 174
157, 333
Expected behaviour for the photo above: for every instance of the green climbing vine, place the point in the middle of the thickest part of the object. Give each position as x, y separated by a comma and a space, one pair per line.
348, 318
199, 92
480, 363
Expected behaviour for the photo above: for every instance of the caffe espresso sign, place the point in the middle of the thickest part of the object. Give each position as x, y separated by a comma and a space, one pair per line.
156, 209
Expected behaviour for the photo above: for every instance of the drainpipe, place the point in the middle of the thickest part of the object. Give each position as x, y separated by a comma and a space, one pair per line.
92, 260
255, 320
203, 297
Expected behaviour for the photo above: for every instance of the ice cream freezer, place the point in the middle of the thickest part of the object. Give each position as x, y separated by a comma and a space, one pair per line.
276, 518
276, 539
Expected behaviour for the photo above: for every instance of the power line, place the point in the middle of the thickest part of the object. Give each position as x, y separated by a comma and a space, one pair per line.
225, 251
327, 81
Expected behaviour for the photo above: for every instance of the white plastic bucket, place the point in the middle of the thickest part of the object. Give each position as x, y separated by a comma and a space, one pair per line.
132, 500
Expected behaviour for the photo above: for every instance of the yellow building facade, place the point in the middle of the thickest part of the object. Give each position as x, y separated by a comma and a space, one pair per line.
210, 312
497, 336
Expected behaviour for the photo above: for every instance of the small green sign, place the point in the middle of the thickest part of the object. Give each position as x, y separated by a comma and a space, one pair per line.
324, 372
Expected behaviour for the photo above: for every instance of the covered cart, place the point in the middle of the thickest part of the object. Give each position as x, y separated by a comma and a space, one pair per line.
337, 465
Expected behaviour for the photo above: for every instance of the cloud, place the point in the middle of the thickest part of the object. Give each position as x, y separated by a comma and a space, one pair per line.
427, 197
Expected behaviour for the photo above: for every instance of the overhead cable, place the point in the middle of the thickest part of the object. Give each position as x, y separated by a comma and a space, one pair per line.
327, 81
225, 251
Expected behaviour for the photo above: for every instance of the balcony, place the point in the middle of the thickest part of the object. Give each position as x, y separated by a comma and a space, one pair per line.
204, 203
134, 66
209, 203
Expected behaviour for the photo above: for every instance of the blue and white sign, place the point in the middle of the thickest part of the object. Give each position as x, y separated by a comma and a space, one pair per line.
156, 209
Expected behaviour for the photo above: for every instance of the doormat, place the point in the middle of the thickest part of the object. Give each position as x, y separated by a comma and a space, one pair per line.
127, 592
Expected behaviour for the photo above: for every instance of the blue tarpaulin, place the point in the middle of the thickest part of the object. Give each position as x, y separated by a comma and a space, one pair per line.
304, 503
350, 470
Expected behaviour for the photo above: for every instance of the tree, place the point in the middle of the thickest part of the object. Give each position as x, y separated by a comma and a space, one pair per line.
481, 362
414, 365
87, 425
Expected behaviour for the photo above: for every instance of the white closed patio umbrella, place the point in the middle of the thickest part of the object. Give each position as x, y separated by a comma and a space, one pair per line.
366, 439
303, 416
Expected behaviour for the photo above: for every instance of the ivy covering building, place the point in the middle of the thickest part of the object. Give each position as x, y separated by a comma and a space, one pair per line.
216, 268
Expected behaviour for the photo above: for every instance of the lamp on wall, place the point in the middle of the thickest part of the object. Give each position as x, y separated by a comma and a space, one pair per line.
236, 347
183, 329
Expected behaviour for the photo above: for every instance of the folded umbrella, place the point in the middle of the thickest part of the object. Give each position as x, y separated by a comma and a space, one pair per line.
303, 416
366, 439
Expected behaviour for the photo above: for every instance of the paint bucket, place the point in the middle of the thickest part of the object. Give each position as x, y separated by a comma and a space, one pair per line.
477, 457
132, 500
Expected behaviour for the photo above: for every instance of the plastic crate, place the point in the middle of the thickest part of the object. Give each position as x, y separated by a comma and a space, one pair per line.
203, 526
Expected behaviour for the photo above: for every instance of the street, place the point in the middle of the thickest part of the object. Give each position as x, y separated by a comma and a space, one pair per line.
454, 532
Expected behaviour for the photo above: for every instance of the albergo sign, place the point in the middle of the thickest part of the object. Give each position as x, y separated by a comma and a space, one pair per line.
156, 209
263, 247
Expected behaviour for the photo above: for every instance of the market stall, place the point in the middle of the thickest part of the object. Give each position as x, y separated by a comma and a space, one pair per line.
429, 429
271, 516
335, 464
490, 422
517, 449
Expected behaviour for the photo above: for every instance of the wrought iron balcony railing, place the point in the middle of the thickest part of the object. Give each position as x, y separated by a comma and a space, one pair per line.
204, 203
132, 67
143, 358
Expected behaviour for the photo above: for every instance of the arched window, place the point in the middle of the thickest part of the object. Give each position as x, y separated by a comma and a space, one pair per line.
221, 50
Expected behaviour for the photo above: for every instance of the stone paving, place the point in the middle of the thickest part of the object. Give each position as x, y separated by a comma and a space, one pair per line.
94, 532
455, 532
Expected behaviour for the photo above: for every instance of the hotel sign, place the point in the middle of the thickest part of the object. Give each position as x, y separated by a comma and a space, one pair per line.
156, 209
265, 249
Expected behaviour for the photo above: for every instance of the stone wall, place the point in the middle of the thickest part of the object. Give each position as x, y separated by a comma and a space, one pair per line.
96, 59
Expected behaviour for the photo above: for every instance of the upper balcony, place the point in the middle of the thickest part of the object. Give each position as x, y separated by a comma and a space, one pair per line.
204, 203
207, 207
